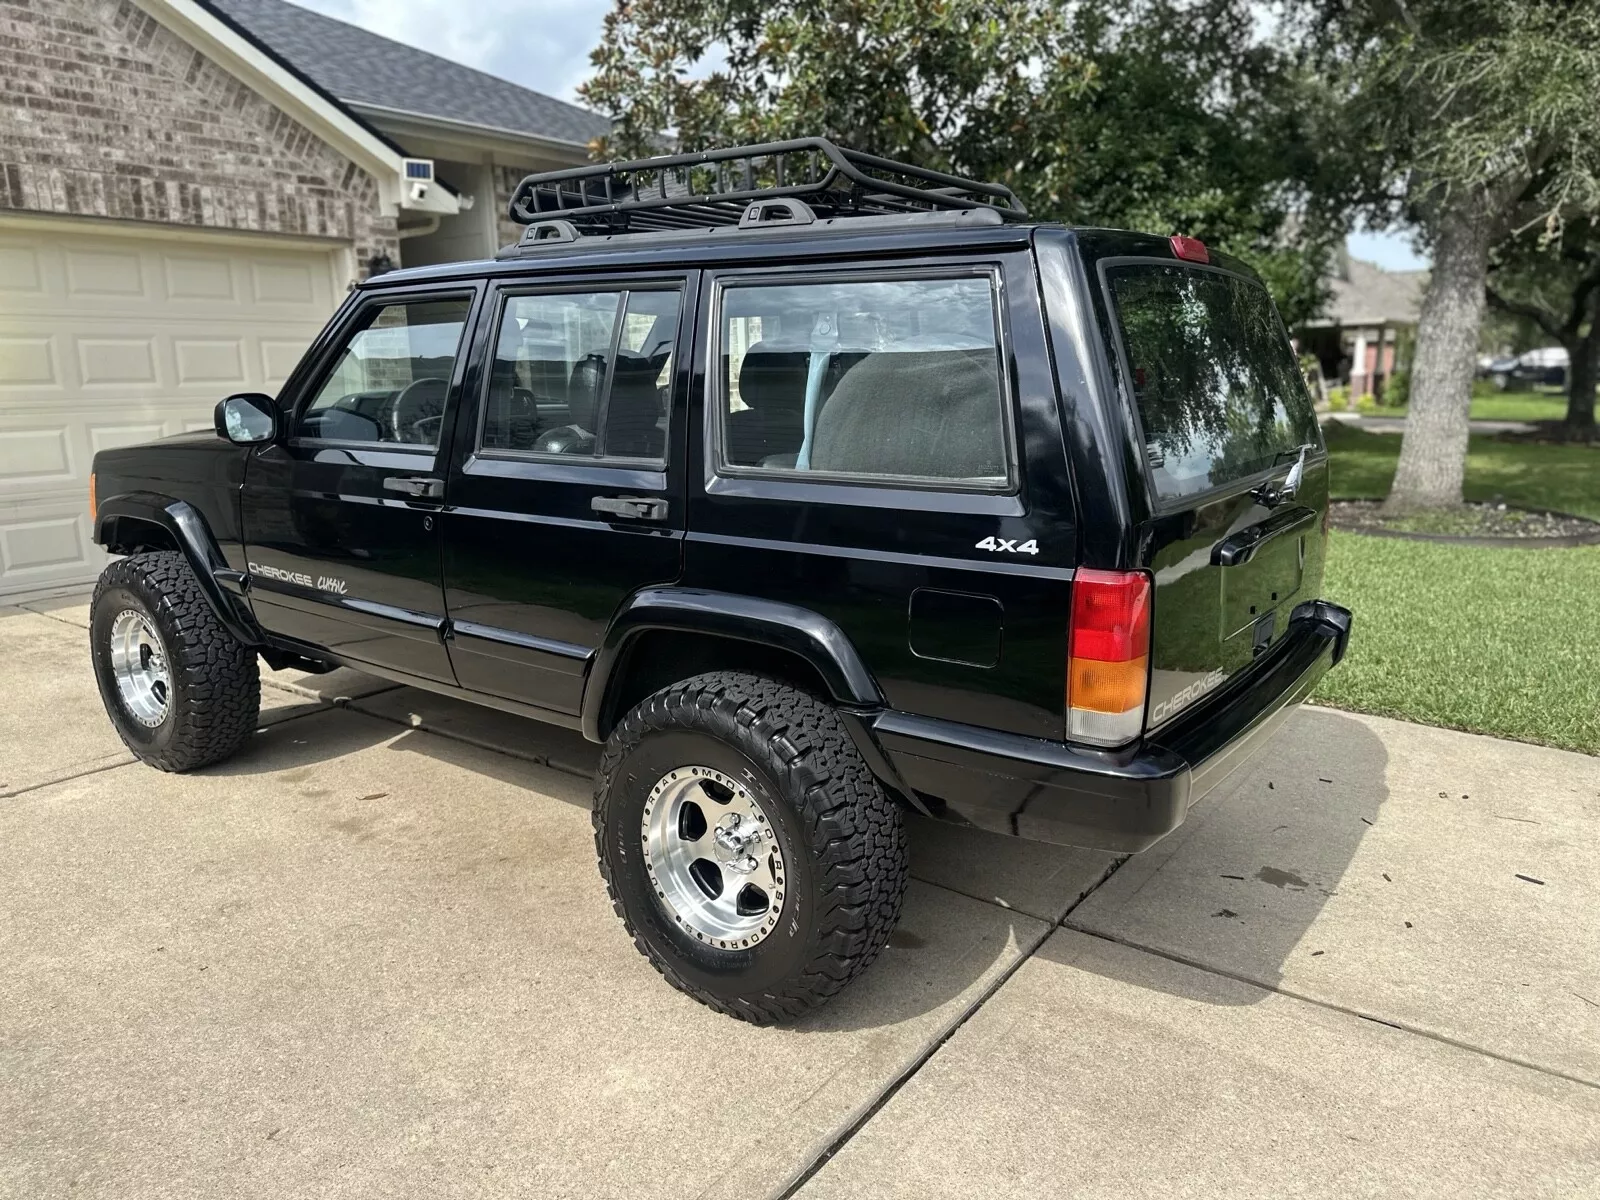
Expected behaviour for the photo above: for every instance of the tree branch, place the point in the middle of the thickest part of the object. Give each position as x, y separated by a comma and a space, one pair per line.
1532, 312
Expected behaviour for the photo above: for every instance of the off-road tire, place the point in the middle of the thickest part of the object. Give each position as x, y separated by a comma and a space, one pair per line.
842, 837
215, 680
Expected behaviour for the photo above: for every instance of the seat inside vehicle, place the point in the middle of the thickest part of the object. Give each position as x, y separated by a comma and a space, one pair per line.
771, 426
921, 413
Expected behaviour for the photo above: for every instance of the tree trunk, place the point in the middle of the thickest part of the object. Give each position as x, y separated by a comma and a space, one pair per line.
1583, 366
1433, 450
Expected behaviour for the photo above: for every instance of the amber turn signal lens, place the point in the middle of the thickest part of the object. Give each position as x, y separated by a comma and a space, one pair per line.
1107, 687
93, 506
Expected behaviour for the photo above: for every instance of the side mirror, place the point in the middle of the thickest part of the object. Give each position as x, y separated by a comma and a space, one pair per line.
248, 419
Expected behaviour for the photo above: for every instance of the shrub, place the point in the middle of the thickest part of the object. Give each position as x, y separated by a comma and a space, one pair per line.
1366, 402
1338, 399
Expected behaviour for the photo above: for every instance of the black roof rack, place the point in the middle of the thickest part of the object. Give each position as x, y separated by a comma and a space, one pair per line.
715, 188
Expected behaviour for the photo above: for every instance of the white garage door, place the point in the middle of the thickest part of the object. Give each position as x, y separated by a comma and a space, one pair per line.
107, 339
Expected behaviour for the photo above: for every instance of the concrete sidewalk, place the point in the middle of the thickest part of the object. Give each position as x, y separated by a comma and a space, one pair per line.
373, 956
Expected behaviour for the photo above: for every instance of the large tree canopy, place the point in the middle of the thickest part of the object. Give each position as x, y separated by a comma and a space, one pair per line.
1163, 115
1475, 119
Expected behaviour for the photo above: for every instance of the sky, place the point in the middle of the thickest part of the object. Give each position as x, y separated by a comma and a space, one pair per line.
545, 44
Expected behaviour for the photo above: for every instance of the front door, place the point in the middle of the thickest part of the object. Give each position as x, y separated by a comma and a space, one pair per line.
341, 519
566, 490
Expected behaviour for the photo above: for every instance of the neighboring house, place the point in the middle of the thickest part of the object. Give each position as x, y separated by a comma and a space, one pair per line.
187, 189
1370, 323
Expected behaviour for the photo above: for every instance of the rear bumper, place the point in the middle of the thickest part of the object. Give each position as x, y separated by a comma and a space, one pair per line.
1122, 800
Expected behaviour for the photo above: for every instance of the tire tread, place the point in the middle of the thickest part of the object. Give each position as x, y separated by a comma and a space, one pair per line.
853, 828
217, 680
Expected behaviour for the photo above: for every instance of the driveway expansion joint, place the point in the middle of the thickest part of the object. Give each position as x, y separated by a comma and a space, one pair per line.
892, 1088
1330, 1006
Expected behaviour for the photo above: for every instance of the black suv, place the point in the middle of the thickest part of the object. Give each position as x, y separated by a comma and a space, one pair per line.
813, 486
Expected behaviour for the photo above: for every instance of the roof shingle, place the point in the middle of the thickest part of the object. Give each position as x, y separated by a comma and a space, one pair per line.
359, 67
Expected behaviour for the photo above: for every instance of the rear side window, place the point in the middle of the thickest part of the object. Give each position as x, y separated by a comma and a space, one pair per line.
877, 379
583, 374
1213, 378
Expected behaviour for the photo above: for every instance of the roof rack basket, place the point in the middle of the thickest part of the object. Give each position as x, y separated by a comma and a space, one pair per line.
714, 188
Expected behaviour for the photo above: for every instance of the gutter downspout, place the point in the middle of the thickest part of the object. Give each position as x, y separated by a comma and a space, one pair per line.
431, 225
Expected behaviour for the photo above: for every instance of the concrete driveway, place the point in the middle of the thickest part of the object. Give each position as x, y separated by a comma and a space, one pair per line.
372, 956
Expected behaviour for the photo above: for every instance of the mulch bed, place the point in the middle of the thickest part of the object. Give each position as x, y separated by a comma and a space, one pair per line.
1478, 524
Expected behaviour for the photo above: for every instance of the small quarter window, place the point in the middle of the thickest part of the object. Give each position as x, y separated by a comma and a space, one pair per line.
392, 380
880, 379
583, 374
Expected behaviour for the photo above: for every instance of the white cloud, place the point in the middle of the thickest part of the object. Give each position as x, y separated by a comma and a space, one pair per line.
540, 44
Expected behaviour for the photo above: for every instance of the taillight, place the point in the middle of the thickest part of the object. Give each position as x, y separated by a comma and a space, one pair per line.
1192, 249
92, 505
1108, 656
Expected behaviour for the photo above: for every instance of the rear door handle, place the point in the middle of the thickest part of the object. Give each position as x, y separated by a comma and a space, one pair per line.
1240, 546
635, 508
415, 486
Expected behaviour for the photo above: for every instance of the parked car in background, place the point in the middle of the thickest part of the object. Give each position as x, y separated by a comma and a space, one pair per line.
1544, 367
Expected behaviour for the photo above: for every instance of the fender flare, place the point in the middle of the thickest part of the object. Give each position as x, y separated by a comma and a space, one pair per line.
183, 523
802, 632
798, 630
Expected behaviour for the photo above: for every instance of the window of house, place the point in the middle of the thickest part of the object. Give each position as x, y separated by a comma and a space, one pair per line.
583, 374
391, 381
881, 379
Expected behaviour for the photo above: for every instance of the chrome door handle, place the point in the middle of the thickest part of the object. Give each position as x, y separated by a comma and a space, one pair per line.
636, 508
411, 485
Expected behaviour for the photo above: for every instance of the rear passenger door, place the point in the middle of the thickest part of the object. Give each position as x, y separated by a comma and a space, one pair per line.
567, 486
862, 457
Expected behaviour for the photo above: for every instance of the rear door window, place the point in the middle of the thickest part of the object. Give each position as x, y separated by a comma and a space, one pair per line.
876, 380
583, 374
1214, 381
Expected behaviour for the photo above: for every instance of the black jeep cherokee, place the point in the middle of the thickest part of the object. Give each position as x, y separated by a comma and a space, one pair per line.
813, 486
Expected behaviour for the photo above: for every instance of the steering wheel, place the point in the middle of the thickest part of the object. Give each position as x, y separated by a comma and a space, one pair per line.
419, 403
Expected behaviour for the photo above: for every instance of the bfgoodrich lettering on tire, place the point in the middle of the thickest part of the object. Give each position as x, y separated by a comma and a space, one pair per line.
746, 845
180, 689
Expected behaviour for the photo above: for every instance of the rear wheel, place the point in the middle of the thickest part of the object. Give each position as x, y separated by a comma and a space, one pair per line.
180, 689
747, 846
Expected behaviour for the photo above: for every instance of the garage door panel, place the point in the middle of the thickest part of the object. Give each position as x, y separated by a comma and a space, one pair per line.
45, 541
32, 457
281, 283
29, 361
20, 273
111, 362
105, 273
111, 340
213, 361
206, 280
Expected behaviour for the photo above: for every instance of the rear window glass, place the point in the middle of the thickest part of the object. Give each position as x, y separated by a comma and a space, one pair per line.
1216, 385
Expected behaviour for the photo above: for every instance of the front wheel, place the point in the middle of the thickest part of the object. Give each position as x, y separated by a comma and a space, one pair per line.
747, 846
180, 689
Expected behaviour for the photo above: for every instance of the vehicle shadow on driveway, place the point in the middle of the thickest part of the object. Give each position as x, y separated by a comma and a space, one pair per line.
1238, 888
339, 770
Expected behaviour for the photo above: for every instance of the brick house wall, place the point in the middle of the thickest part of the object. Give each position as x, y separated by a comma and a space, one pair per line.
106, 113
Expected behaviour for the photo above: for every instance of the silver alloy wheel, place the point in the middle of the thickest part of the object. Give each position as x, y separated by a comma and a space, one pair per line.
139, 665
713, 858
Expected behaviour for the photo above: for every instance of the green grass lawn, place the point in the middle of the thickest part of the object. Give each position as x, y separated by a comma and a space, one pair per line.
1490, 405
1560, 477
1504, 642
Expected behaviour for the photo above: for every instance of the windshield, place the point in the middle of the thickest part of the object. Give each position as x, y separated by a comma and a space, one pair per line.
1217, 389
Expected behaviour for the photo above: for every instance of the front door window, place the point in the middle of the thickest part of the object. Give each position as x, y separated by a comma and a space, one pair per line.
391, 381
